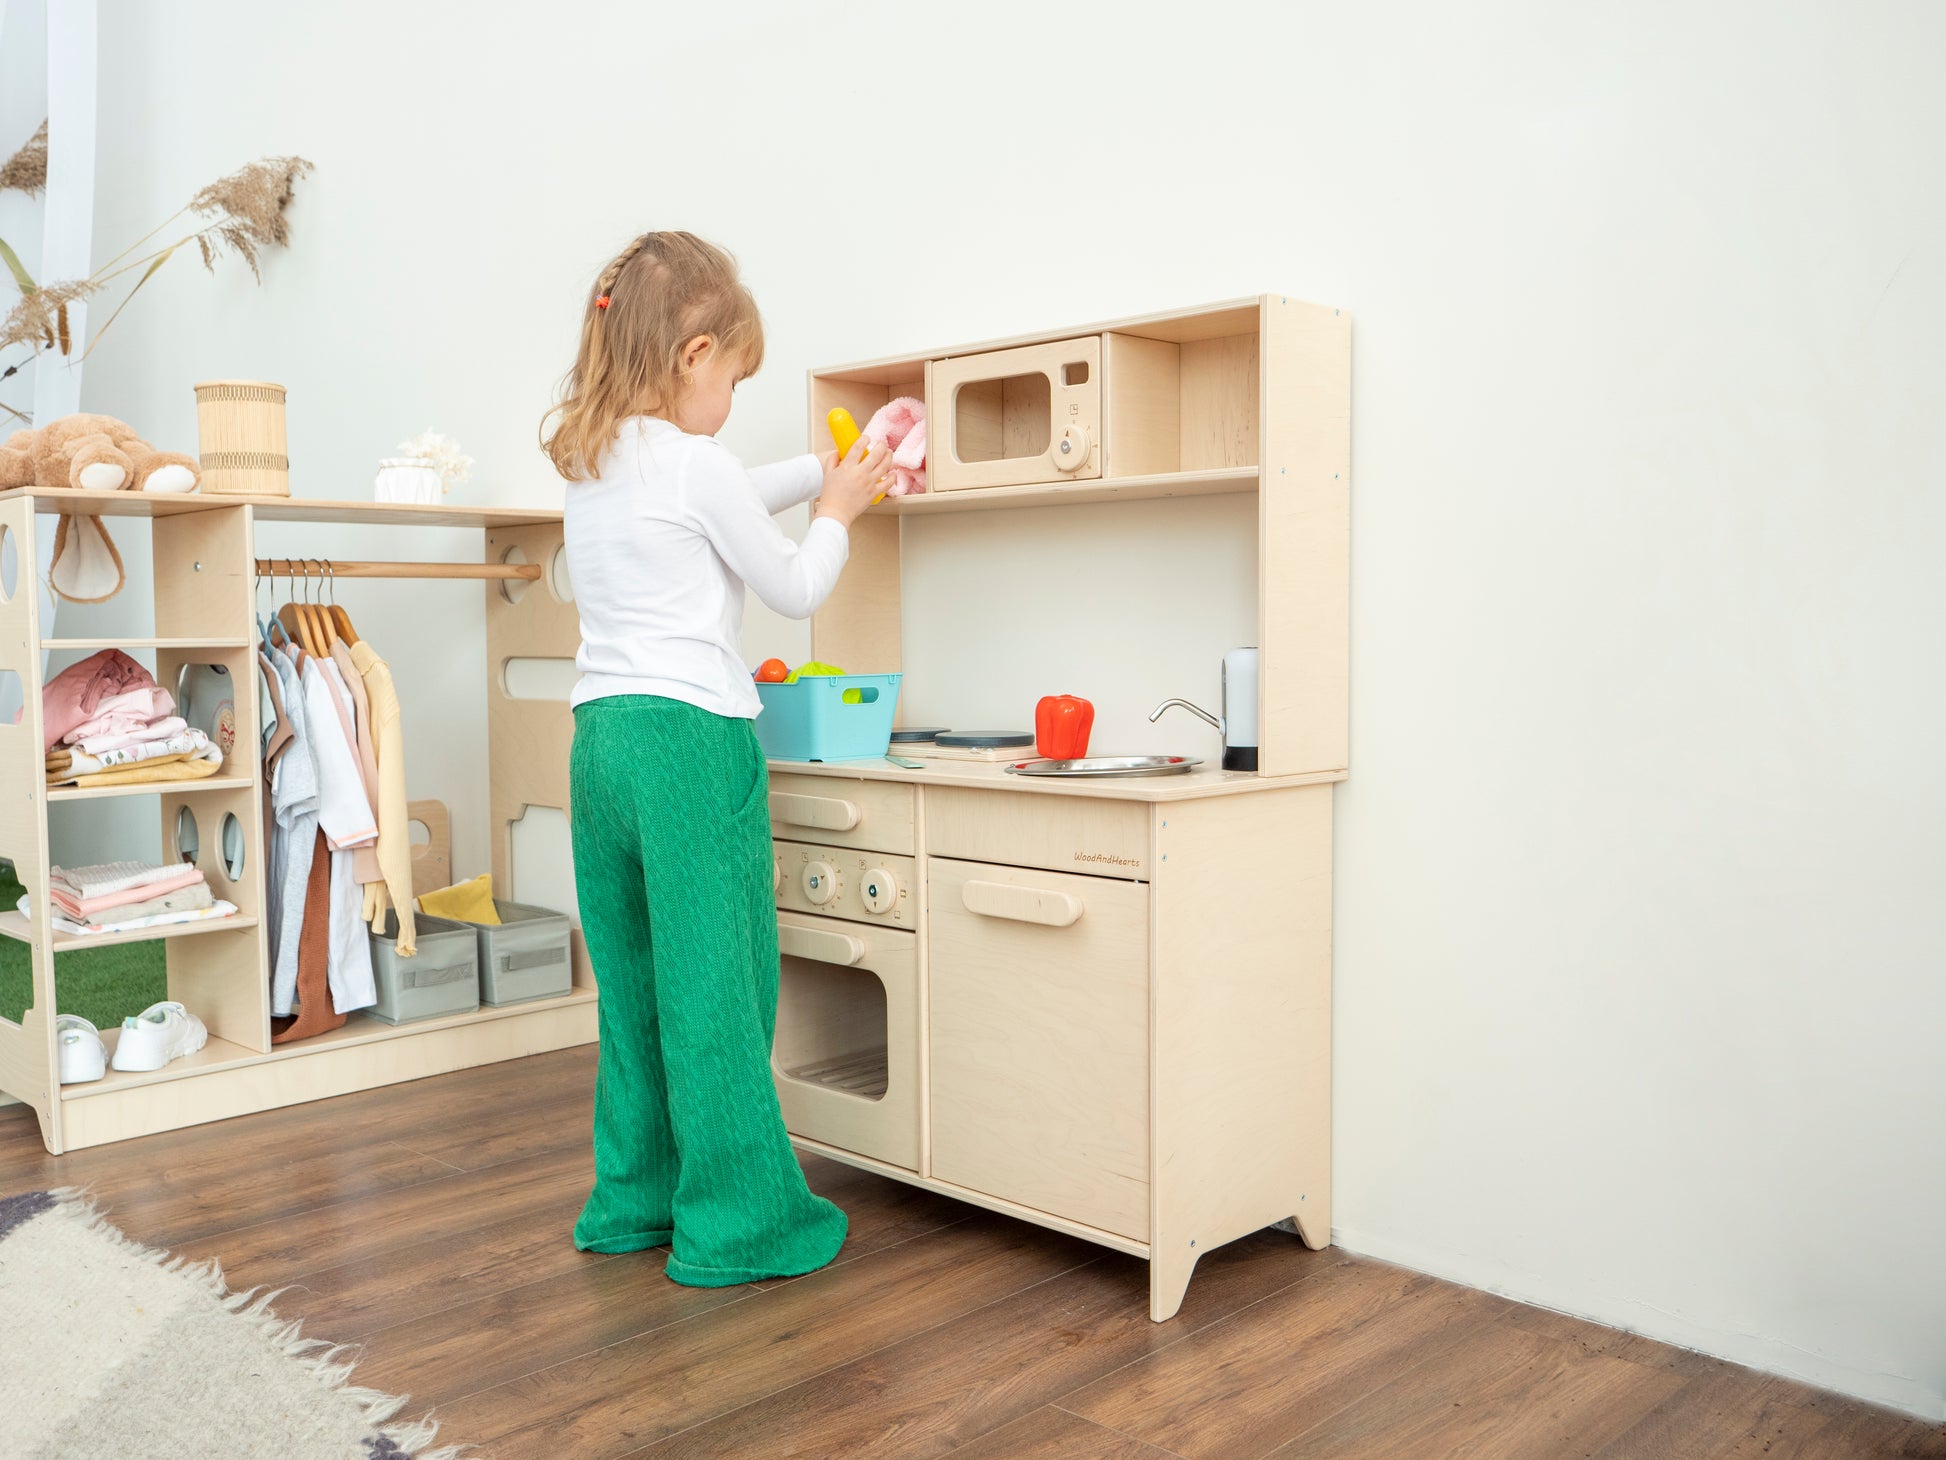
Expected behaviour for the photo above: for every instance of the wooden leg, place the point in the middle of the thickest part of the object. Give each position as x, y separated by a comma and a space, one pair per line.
1169, 1275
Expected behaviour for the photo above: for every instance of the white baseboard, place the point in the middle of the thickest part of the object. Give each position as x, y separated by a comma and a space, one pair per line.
1754, 1350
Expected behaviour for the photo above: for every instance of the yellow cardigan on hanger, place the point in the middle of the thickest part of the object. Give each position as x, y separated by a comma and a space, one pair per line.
394, 830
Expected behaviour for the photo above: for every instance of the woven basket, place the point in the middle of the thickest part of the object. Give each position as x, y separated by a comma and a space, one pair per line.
240, 436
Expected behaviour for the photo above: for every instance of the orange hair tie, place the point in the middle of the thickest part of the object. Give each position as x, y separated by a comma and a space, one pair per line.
601, 301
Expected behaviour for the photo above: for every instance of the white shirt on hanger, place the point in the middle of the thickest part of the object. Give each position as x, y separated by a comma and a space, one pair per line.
660, 548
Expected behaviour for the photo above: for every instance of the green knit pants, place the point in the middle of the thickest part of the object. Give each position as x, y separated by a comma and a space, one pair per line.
672, 861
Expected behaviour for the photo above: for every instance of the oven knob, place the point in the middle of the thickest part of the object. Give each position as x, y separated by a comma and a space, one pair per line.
879, 890
821, 882
777, 884
1070, 450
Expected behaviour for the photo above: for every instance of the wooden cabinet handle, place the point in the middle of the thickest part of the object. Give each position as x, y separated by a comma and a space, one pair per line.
821, 945
1021, 904
825, 813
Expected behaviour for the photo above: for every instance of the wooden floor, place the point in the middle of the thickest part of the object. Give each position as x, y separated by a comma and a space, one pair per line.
430, 1224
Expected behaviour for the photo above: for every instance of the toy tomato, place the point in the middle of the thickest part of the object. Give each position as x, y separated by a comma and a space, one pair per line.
1061, 726
772, 671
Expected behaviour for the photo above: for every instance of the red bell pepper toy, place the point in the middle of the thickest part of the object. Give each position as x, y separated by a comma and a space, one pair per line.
1061, 727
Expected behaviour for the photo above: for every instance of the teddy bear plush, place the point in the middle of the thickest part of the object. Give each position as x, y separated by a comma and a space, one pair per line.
95, 454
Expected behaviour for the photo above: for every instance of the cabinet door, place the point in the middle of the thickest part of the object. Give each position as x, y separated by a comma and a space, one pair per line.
1040, 1040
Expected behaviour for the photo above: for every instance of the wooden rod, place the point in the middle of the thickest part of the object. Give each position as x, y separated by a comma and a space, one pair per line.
314, 568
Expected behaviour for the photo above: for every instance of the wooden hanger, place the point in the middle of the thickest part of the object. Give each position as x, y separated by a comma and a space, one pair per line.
339, 618
296, 619
322, 631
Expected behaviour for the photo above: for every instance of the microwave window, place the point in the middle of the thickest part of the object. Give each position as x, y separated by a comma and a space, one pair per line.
1001, 420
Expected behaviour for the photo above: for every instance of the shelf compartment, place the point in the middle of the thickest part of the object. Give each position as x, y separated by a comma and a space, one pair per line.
223, 1054
1217, 482
150, 788
14, 925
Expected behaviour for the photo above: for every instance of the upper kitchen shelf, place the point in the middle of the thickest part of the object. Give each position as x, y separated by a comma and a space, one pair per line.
1164, 405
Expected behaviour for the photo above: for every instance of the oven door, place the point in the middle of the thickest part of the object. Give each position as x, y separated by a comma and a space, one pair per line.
846, 1054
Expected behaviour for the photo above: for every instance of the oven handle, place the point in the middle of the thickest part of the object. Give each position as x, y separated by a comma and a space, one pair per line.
820, 945
821, 813
1022, 904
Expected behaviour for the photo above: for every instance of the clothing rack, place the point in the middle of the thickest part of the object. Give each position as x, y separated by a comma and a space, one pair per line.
316, 568
205, 549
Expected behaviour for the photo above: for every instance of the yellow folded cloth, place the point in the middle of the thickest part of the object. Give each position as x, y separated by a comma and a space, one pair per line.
151, 770
463, 902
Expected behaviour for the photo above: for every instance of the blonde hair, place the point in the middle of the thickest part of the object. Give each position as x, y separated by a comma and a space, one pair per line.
654, 297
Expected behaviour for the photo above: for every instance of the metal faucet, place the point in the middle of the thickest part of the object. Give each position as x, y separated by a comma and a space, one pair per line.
1196, 710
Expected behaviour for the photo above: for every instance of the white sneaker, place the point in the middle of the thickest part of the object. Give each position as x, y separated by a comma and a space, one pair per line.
83, 1056
160, 1033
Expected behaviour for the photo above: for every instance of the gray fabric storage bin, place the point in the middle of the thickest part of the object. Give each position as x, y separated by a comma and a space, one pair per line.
442, 977
526, 957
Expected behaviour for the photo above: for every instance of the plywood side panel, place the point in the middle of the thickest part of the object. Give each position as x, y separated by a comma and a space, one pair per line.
1141, 406
1304, 538
858, 627
27, 1061
1241, 1023
528, 741
203, 574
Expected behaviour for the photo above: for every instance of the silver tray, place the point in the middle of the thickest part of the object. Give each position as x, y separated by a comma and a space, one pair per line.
1108, 765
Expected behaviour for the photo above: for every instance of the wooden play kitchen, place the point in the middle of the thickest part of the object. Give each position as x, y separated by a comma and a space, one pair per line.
206, 562
1099, 1005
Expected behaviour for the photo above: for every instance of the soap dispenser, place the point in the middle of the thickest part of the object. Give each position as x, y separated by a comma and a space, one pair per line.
1238, 723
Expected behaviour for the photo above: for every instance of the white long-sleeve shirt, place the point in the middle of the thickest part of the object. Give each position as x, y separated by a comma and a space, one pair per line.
660, 548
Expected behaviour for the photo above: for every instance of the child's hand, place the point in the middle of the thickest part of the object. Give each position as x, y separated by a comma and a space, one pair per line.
851, 484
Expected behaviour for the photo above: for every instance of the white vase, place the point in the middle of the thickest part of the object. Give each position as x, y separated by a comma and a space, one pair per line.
406, 479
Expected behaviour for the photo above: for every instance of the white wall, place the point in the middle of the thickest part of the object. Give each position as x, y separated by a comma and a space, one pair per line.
1641, 959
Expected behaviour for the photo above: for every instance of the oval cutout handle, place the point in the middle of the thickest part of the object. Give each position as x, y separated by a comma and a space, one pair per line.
820, 945
825, 813
1022, 904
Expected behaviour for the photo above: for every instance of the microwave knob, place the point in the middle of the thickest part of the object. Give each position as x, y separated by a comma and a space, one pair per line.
879, 890
821, 883
1070, 449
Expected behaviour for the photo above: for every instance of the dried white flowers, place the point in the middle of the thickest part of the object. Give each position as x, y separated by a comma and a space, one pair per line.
442, 454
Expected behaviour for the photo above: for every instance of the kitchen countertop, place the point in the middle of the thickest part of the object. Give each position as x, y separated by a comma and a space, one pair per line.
987, 776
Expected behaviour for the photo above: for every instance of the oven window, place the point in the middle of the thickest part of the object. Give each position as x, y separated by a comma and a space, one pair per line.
831, 1027
999, 420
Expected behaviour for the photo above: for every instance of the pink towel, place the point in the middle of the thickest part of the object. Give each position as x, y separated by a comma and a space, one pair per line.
105, 694
901, 425
88, 906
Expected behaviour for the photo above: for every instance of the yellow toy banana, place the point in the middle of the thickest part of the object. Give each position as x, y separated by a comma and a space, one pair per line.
844, 435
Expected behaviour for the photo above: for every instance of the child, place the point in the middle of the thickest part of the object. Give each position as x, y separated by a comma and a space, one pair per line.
669, 792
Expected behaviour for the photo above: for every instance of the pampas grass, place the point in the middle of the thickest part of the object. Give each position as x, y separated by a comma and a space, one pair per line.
241, 214
26, 170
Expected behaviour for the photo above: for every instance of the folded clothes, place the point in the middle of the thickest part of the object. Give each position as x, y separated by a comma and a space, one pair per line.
82, 907
107, 877
183, 899
105, 694
189, 744
168, 770
155, 730
218, 909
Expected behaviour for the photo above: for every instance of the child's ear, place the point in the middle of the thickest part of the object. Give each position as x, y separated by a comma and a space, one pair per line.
696, 351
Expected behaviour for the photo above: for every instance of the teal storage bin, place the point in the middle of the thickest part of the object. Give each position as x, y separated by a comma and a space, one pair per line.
836, 717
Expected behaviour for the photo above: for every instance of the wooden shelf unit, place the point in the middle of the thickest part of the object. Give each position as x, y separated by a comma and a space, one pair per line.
1123, 988
205, 551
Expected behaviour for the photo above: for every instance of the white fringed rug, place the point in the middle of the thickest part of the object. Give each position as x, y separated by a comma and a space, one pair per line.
115, 1351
